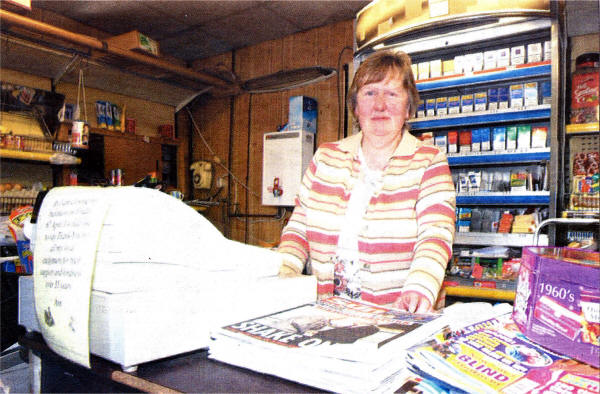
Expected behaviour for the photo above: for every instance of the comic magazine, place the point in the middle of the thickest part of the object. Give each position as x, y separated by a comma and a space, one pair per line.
494, 356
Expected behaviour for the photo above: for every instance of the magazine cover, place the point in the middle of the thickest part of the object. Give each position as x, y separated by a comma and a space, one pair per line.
342, 345
338, 326
496, 357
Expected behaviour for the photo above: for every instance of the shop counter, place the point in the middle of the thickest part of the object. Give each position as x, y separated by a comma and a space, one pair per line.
189, 372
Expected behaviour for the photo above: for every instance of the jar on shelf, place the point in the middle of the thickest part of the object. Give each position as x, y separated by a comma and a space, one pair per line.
585, 88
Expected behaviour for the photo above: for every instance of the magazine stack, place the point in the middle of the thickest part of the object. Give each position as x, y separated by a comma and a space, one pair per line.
333, 344
494, 356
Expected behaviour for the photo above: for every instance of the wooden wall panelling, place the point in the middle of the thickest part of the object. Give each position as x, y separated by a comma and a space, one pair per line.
212, 117
267, 114
321, 47
135, 157
215, 131
23, 79
183, 157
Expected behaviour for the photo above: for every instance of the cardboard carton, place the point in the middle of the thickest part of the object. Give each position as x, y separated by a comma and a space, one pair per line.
557, 304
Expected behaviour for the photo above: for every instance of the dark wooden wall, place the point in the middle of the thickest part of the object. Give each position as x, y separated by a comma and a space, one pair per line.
234, 127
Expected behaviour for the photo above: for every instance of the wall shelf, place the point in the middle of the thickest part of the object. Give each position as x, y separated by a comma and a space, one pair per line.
31, 156
583, 128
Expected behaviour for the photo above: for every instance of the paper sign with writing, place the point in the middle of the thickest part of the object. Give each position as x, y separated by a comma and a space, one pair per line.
68, 231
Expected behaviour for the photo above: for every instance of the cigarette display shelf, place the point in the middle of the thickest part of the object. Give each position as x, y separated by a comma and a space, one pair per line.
533, 155
517, 240
524, 114
509, 73
504, 198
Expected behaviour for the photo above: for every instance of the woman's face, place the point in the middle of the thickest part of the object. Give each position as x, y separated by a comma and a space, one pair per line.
382, 109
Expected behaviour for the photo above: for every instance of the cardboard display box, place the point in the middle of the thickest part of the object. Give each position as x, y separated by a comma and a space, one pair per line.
136, 41
557, 304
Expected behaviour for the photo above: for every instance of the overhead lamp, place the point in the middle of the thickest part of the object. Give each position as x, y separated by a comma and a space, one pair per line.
287, 79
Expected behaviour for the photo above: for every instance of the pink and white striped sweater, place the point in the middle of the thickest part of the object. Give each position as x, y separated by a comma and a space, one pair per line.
408, 228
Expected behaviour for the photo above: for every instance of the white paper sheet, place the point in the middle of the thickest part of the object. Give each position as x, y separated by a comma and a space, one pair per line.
68, 230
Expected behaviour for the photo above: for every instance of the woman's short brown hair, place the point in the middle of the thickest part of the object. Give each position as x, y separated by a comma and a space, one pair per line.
378, 67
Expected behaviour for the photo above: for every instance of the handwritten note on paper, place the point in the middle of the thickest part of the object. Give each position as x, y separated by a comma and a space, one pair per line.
68, 229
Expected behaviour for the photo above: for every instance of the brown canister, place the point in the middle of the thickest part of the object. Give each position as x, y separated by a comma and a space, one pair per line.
585, 88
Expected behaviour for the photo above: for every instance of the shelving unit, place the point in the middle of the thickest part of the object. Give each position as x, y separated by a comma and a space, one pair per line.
579, 139
480, 35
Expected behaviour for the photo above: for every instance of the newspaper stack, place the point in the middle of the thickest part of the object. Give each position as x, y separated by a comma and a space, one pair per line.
333, 344
494, 356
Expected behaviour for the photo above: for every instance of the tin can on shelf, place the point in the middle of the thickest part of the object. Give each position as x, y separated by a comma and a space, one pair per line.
116, 177
130, 125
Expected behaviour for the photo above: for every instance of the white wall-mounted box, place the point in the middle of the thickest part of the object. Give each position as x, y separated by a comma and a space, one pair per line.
286, 155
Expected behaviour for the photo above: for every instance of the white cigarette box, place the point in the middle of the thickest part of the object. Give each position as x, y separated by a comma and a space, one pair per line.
435, 68
423, 70
517, 55
490, 60
459, 64
503, 57
547, 50
534, 52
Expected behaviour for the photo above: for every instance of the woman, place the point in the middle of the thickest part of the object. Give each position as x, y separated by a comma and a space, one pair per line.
374, 218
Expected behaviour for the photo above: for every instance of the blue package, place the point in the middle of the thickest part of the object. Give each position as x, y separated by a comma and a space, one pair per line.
493, 98
499, 138
546, 89
302, 114
503, 95
484, 136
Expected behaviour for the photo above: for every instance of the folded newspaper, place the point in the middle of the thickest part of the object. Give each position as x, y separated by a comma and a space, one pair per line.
333, 344
494, 356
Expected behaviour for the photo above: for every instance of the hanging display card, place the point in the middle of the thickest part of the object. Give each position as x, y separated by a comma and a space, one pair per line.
68, 231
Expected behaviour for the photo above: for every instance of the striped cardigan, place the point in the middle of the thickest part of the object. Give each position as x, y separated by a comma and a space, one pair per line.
406, 240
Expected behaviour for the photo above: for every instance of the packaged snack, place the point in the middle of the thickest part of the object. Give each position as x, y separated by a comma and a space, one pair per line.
101, 114
585, 104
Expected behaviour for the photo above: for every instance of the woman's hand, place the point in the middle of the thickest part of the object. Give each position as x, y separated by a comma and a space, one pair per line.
413, 302
286, 272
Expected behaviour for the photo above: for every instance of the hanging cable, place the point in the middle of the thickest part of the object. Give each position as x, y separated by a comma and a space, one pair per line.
218, 161
341, 101
280, 211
